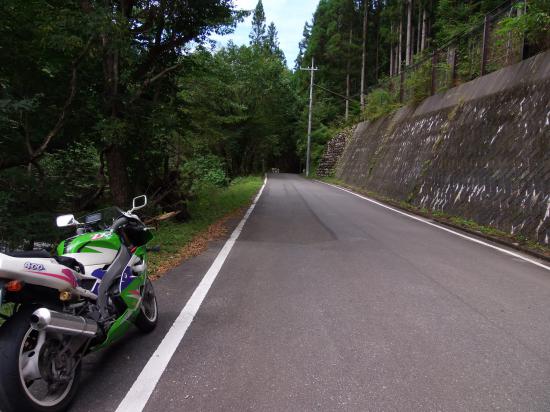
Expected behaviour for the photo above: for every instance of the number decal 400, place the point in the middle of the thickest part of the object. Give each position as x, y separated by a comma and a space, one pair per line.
37, 267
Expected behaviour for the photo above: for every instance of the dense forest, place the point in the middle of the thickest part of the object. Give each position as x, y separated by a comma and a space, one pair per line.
103, 100
357, 44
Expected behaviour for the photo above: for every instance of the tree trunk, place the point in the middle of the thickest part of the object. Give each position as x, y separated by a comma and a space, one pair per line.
409, 33
424, 29
400, 47
395, 58
348, 79
118, 176
391, 50
364, 57
419, 27
114, 155
377, 52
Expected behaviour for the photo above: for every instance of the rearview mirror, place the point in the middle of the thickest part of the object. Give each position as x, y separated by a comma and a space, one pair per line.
66, 220
139, 203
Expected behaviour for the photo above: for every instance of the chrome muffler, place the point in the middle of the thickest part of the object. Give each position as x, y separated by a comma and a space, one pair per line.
44, 319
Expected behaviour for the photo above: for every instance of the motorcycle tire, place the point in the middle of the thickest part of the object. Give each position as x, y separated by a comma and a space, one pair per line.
13, 396
147, 319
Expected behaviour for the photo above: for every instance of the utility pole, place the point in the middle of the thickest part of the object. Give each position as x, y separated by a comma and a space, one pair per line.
312, 70
364, 55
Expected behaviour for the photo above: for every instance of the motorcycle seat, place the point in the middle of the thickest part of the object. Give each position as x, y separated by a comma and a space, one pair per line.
37, 254
69, 262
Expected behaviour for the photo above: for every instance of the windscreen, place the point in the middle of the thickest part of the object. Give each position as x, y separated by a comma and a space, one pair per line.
102, 219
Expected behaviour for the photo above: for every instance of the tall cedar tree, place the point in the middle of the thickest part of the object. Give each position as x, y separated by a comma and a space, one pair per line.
258, 32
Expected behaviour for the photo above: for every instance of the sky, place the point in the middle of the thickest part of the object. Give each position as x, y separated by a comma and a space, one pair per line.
289, 17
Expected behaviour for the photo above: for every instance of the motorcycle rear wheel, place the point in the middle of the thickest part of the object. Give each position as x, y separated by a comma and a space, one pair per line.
16, 348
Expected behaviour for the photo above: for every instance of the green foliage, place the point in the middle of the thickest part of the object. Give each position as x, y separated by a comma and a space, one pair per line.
533, 21
6, 310
99, 102
208, 206
205, 171
334, 39
30, 198
319, 138
239, 103
335, 23
258, 32
455, 17
418, 83
380, 102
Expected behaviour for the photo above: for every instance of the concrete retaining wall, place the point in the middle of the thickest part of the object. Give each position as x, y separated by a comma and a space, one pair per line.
481, 150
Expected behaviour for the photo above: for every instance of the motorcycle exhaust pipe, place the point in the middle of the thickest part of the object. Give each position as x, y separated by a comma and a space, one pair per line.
44, 319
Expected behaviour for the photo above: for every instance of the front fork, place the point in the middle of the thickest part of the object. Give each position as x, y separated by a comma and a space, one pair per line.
3, 314
2, 292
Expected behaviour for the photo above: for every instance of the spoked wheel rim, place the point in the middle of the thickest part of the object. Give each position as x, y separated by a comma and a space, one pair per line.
149, 302
35, 386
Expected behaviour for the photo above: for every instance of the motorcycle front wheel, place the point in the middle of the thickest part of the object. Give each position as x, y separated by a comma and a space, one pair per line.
147, 318
24, 355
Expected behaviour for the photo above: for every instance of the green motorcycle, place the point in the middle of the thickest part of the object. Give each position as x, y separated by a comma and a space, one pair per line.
65, 306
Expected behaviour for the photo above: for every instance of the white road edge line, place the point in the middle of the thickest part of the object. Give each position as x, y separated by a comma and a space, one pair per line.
140, 392
473, 239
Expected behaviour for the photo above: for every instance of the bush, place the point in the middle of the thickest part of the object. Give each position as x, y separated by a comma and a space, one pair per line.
380, 103
206, 170
418, 83
534, 24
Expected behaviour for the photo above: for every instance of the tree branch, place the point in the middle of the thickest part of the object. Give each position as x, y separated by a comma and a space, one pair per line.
157, 50
102, 179
62, 116
153, 79
33, 155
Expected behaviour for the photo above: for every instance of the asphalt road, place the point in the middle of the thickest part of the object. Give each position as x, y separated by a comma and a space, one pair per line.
329, 302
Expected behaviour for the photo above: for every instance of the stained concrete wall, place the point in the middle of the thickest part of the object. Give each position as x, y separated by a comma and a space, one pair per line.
481, 150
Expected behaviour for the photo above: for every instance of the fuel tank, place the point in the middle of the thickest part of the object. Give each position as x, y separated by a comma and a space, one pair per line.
93, 250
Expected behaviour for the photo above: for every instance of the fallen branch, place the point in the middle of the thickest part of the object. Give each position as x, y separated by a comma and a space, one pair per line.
161, 218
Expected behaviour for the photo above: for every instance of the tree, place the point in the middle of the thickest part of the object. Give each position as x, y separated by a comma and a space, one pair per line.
258, 32
34, 108
400, 47
364, 53
303, 45
272, 42
156, 34
87, 115
424, 29
408, 52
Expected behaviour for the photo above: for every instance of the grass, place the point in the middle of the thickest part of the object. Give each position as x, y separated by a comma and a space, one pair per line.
5, 310
443, 217
328, 179
380, 103
210, 205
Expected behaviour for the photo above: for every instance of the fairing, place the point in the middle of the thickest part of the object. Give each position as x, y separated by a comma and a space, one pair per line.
93, 250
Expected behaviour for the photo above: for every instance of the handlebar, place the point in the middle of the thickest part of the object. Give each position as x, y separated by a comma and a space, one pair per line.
117, 224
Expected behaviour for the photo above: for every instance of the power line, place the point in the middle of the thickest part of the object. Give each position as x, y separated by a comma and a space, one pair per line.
336, 94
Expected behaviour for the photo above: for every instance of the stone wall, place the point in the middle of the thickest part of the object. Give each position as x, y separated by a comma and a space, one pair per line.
333, 151
480, 150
